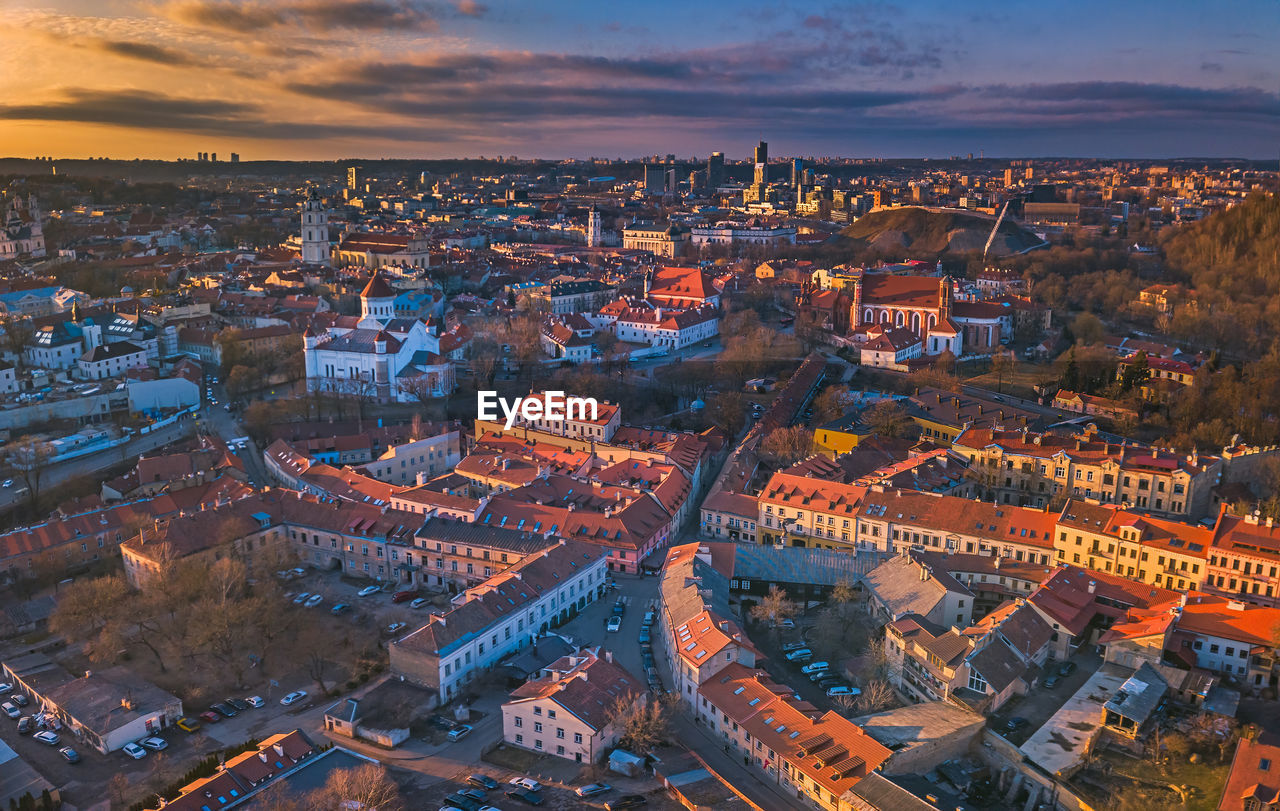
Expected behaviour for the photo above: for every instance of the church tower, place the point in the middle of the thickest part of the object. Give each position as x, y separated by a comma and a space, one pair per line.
594, 237
315, 230
944, 298
855, 310
377, 300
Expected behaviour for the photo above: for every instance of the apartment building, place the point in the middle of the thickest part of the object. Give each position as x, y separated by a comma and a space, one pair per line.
459, 555
503, 614
1244, 558
1158, 551
1027, 468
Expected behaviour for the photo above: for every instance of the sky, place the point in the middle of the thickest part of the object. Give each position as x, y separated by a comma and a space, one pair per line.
335, 79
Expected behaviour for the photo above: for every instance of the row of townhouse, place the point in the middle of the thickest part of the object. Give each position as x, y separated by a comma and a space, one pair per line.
1029, 468
501, 615
819, 757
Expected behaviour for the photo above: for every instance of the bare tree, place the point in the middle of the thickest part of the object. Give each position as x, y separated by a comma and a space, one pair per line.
642, 725
888, 419
876, 695
364, 788
118, 790
31, 458
784, 447
773, 608
18, 334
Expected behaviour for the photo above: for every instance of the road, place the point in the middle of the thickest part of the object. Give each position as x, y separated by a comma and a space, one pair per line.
59, 474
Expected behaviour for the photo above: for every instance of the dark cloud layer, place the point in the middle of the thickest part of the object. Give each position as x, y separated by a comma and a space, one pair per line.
253, 16
144, 51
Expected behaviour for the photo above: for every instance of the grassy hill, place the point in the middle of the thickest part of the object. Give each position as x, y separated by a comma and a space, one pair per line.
922, 232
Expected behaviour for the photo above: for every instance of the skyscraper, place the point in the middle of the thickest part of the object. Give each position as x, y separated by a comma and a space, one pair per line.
762, 164
797, 171
353, 177
715, 170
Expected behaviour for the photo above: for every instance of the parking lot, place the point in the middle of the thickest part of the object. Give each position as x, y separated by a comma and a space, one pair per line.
1040, 703
589, 627
559, 797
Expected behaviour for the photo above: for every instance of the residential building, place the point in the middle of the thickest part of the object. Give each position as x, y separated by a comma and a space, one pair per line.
1243, 559
111, 360
890, 348
579, 296
1151, 550
1251, 783
382, 249
570, 710
499, 616
908, 584
459, 555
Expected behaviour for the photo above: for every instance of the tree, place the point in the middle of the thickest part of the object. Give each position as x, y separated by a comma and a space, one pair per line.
1136, 372
1003, 365
888, 419
18, 334
774, 607
784, 447
484, 354
877, 694
31, 457
642, 725
420, 387
241, 380
1088, 329
830, 404
727, 411
118, 790
366, 787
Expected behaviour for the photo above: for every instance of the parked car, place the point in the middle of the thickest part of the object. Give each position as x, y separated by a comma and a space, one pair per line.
798, 654
1016, 723
525, 795
474, 793
465, 803
188, 724
403, 596
526, 782
483, 781
626, 801
295, 571
1067, 669
592, 789
841, 690
71, 755
419, 603
210, 717
831, 681
645, 639
368, 590
395, 626
790, 646
225, 710
294, 697
340, 608
5, 687
154, 744
814, 667
440, 722
459, 732
301, 597
134, 751
614, 625
10, 710
788, 624
239, 703
821, 675
255, 701
19, 699
47, 737
25, 725
314, 600
1051, 681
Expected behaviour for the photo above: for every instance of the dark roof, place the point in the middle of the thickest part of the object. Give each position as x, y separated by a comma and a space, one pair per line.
103, 352
377, 287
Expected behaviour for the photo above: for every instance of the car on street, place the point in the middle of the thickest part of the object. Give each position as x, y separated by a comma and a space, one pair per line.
5, 687
340, 608
592, 789
483, 781
614, 625
314, 600
1016, 723
188, 724
71, 755
46, 737
526, 782
798, 654
368, 590
19, 699
645, 639
210, 717
626, 801
225, 710
459, 732
255, 701
154, 744
1067, 669
25, 725
301, 597
788, 624
7, 483
525, 795
1051, 681
294, 697
814, 667
842, 690
239, 703
419, 603
403, 596
10, 710
395, 627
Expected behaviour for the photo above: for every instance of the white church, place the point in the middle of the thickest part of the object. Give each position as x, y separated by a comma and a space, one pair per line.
381, 357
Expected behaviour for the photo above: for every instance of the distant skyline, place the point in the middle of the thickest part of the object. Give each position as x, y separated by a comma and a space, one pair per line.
328, 79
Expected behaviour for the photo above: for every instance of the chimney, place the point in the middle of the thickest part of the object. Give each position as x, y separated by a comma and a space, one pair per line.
262, 756
1093, 586
608, 656
279, 750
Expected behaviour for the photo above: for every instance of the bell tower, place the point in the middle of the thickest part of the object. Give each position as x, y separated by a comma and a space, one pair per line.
315, 230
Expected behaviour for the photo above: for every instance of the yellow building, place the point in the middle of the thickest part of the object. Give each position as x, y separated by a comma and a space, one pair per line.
1159, 552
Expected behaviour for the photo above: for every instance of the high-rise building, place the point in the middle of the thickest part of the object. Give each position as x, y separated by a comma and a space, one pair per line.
762, 164
213, 157
669, 181
1008, 177
353, 177
1030, 173
797, 171
235, 157
653, 180
715, 170
315, 230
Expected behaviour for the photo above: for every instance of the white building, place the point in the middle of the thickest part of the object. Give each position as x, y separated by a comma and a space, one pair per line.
111, 360
22, 234
752, 232
567, 710
890, 348
672, 329
383, 358
315, 230
501, 615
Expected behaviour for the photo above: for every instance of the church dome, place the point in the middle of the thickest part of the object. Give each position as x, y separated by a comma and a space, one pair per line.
377, 287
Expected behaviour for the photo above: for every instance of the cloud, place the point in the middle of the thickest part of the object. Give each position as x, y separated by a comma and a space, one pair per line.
314, 15
144, 51
1211, 67
471, 8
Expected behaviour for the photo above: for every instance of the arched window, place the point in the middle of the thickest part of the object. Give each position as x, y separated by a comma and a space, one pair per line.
915, 323
899, 319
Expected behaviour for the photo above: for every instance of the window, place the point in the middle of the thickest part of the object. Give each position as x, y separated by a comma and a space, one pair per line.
519, 721
537, 726
577, 737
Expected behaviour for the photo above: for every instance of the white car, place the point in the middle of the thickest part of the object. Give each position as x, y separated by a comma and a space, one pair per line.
815, 667
301, 598
395, 626
294, 697
51, 738
419, 603
802, 653
7, 483
134, 751
154, 744
255, 701
314, 600
367, 590
10, 710
460, 731
526, 782
615, 625
840, 690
